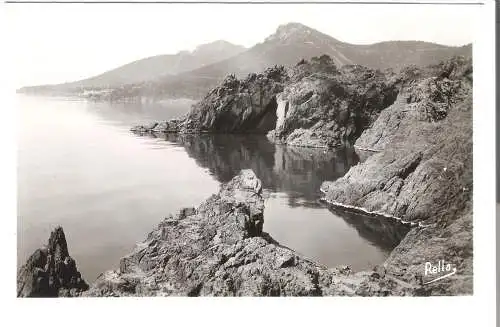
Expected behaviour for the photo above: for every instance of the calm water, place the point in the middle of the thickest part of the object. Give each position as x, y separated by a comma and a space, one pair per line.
80, 167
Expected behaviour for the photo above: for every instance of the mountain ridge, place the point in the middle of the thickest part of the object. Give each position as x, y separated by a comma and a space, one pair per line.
147, 68
277, 49
289, 44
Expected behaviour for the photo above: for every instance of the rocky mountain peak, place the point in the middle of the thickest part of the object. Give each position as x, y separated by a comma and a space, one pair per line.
293, 32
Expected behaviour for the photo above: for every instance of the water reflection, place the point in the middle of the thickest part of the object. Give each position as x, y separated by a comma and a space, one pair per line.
292, 177
131, 113
298, 172
380, 231
136, 180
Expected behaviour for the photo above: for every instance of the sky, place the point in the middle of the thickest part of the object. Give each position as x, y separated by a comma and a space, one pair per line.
54, 43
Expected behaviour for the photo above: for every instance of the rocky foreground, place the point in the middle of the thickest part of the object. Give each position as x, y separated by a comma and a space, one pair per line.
219, 249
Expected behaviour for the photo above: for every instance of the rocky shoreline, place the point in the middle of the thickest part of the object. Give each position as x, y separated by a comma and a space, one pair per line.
219, 249
421, 173
313, 104
418, 127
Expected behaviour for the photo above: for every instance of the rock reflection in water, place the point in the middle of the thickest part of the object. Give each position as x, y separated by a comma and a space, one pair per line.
381, 231
294, 214
298, 172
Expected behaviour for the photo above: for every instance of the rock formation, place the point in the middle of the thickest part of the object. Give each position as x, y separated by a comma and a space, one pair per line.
50, 271
313, 104
323, 106
417, 125
421, 173
235, 106
219, 249
316, 104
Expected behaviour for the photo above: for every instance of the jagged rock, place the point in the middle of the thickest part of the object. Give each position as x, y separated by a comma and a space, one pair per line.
424, 163
239, 106
313, 104
316, 104
422, 174
50, 271
326, 107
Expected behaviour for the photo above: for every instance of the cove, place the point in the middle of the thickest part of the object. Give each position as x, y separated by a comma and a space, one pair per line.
80, 167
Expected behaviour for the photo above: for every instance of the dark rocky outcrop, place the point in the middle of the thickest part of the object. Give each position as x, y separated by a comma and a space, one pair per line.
50, 271
421, 172
219, 249
239, 106
324, 106
313, 104
317, 104
235, 106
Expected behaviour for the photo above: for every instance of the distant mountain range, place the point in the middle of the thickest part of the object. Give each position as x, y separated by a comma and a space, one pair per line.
193, 74
152, 68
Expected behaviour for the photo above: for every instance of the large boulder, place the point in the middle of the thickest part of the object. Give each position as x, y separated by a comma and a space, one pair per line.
50, 271
239, 106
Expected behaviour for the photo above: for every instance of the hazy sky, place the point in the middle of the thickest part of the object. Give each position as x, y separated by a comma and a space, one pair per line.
56, 43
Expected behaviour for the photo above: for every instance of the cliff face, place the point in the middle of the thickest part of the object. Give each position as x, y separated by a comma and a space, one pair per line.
316, 104
239, 106
424, 144
422, 171
313, 104
324, 106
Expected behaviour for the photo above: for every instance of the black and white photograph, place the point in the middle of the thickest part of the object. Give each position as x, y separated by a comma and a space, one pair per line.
181, 149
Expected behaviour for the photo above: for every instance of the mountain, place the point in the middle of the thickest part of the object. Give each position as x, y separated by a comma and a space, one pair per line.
293, 42
155, 67
289, 44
